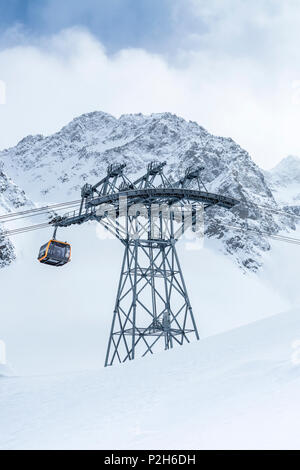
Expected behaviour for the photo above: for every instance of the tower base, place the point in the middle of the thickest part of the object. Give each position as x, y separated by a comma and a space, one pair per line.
152, 309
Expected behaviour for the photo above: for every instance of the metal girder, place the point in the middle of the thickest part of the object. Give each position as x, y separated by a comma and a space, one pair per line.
147, 196
152, 194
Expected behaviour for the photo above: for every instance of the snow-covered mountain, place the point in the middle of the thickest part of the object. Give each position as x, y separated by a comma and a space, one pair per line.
54, 168
284, 181
12, 198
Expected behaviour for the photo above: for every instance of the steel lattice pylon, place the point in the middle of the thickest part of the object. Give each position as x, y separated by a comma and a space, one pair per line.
152, 307
152, 304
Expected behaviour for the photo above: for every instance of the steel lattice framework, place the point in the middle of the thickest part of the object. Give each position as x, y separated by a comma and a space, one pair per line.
152, 308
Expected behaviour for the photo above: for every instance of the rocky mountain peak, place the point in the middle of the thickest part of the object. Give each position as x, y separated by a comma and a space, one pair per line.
54, 168
287, 171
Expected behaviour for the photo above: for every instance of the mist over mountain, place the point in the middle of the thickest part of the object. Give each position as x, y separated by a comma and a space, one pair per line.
284, 180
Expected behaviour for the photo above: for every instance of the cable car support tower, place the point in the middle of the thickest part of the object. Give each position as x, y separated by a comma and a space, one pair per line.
152, 309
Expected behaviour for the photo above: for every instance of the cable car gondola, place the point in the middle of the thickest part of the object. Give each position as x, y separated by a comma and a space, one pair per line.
55, 253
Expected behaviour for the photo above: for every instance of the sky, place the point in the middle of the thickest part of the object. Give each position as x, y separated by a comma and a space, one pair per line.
232, 66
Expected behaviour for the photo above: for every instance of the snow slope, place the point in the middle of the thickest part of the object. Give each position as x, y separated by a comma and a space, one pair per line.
56, 320
235, 390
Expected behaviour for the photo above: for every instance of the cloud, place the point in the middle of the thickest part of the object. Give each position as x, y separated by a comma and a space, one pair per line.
51, 80
116, 23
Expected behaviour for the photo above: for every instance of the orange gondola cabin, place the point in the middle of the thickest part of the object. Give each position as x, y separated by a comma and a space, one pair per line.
55, 253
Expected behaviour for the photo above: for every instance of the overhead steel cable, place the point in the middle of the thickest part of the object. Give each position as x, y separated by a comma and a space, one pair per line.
271, 209
281, 238
14, 216
39, 209
30, 228
262, 233
73, 206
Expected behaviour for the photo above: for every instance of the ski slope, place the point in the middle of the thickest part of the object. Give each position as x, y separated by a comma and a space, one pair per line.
238, 389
